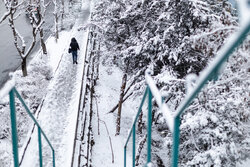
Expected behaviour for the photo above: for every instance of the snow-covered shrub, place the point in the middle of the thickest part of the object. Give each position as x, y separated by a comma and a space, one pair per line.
31, 88
213, 128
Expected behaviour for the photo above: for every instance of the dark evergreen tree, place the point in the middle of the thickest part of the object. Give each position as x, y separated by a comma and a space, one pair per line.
180, 36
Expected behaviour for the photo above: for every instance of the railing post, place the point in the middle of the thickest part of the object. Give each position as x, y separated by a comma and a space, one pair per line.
13, 128
125, 156
134, 133
40, 146
53, 154
149, 125
175, 149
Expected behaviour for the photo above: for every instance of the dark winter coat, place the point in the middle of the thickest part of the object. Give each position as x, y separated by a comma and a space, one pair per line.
74, 45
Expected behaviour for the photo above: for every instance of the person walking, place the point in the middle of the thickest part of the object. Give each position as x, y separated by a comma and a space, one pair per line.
74, 47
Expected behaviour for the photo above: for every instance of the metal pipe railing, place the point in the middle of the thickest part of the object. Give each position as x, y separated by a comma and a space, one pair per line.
133, 130
137, 115
12, 94
158, 98
149, 126
13, 127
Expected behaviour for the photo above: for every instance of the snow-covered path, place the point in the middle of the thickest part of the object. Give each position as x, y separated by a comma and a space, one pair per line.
58, 115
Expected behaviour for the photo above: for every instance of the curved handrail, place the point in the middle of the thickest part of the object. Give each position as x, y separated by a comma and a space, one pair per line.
137, 115
12, 94
32, 117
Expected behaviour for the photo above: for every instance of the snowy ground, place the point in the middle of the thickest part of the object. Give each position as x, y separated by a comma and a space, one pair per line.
107, 92
58, 114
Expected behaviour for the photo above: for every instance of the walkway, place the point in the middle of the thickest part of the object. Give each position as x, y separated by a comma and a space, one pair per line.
58, 115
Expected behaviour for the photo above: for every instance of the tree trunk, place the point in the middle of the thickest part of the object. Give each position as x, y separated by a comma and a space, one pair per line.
62, 14
118, 120
56, 27
42, 42
128, 88
24, 67
140, 123
139, 150
56, 15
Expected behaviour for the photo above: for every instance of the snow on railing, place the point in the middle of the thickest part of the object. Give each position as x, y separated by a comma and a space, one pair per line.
7, 87
158, 98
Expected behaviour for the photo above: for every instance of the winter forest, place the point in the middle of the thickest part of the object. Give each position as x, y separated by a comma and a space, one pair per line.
175, 39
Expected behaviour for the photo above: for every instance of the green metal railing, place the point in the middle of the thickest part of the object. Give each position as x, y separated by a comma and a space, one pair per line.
173, 118
133, 129
149, 92
13, 92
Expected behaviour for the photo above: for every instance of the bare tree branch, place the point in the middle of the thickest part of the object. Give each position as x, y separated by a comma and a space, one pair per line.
115, 107
5, 16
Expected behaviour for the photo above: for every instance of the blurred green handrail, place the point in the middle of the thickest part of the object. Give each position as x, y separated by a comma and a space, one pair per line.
12, 93
211, 72
133, 129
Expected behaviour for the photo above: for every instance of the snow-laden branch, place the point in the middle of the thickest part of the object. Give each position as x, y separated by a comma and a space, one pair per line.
16, 35
10, 7
92, 24
215, 31
21, 38
45, 7
16, 17
34, 32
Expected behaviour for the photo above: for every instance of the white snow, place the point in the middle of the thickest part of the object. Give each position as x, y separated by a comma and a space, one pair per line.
59, 111
7, 88
108, 85
58, 114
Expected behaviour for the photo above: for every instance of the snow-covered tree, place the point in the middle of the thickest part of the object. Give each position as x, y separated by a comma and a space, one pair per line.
213, 128
36, 11
177, 38
56, 15
13, 12
62, 12
162, 34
